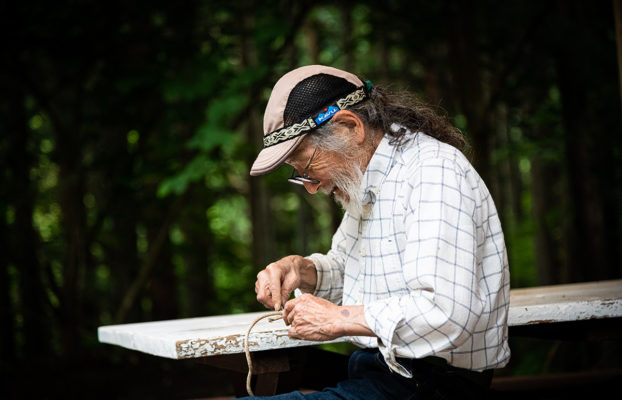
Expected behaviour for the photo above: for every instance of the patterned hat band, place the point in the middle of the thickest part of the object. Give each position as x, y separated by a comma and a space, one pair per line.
289, 132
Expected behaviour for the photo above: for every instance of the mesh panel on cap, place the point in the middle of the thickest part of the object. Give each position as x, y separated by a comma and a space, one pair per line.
311, 94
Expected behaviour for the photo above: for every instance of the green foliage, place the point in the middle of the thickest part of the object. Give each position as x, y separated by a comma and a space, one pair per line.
229, 220
521, 253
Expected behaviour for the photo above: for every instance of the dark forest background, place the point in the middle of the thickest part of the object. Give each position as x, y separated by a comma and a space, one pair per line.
127, 130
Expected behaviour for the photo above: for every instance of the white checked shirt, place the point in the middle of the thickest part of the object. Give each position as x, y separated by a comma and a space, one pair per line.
427, 259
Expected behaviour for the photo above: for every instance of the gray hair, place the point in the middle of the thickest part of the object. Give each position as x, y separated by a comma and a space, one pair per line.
383, 110
324, 138
326, 141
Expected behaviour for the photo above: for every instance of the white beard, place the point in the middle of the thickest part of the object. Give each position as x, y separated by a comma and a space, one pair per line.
349, 183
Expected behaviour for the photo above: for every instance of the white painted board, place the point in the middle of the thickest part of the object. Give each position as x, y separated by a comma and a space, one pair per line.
208, 336
201, 337
561, 303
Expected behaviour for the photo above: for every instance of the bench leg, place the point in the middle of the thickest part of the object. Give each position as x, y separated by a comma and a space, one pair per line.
266, 384
266, 364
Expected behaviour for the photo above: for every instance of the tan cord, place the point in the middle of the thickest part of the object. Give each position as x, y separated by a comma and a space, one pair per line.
276, 316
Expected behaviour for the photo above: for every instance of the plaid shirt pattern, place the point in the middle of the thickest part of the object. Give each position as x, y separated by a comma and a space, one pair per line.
427, 259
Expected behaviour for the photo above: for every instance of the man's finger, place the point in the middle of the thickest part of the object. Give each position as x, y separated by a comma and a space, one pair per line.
262, 289
275, 293
288, 286
263, 296
273, 284
289, 311
291, 332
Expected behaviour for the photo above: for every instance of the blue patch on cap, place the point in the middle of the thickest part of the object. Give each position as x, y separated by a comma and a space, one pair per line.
326, 114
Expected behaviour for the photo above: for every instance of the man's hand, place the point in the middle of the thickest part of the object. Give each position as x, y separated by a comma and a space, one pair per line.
314, 318
276, 283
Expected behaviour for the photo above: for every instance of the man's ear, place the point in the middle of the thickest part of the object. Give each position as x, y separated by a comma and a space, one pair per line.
353, 124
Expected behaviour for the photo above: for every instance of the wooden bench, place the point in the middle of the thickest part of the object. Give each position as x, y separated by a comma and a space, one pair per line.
545, 311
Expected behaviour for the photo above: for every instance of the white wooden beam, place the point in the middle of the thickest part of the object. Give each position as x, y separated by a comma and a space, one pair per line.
207, 336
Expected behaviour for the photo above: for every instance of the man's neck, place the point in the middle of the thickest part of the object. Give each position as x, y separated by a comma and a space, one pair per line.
374, 138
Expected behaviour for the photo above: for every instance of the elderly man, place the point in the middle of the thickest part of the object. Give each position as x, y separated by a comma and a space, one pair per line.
417, 274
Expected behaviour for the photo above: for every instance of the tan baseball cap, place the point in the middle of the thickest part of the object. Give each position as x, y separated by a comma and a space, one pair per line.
302, 100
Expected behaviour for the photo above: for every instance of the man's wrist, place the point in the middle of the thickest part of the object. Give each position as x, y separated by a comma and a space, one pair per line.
308, 275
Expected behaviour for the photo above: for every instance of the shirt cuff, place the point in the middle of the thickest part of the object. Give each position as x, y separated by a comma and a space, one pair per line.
378, 317
322, 284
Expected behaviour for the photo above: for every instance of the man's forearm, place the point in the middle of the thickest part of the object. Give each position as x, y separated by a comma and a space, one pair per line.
308, 275
314, 318
351, 322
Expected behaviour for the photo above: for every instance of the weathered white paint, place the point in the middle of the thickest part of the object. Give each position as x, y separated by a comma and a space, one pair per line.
200, 337
207, 336
559, 303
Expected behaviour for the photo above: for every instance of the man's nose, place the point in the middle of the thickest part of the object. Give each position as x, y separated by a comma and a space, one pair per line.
312, 188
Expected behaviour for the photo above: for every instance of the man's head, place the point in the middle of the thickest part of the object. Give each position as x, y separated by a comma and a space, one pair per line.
307, 125
334, 157
327, 123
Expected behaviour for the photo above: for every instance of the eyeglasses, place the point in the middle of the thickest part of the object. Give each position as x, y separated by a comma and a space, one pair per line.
301, 180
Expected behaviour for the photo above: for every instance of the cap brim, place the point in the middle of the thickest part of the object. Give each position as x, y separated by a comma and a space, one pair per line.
271, 157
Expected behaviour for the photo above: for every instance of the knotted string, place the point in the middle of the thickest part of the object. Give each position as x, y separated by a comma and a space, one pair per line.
276, 315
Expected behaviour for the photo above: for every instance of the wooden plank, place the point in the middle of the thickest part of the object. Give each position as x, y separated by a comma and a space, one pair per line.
201, 337
208, 336
561, 303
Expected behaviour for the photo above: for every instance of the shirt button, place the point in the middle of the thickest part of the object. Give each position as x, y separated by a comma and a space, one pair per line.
367, 208
363, 252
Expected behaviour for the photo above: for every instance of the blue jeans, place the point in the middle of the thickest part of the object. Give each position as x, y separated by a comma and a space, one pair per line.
369, 378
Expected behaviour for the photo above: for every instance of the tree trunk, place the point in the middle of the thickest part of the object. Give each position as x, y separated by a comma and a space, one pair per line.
468, 82
590, 253
515, 181
74, 226
7, 333
25, 242
119, 201
263, 252
499, 168
545, 178
588, 256
199, 276
71, 189
163, 287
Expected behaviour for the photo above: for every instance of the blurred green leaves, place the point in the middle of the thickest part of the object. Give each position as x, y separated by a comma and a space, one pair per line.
214, 134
